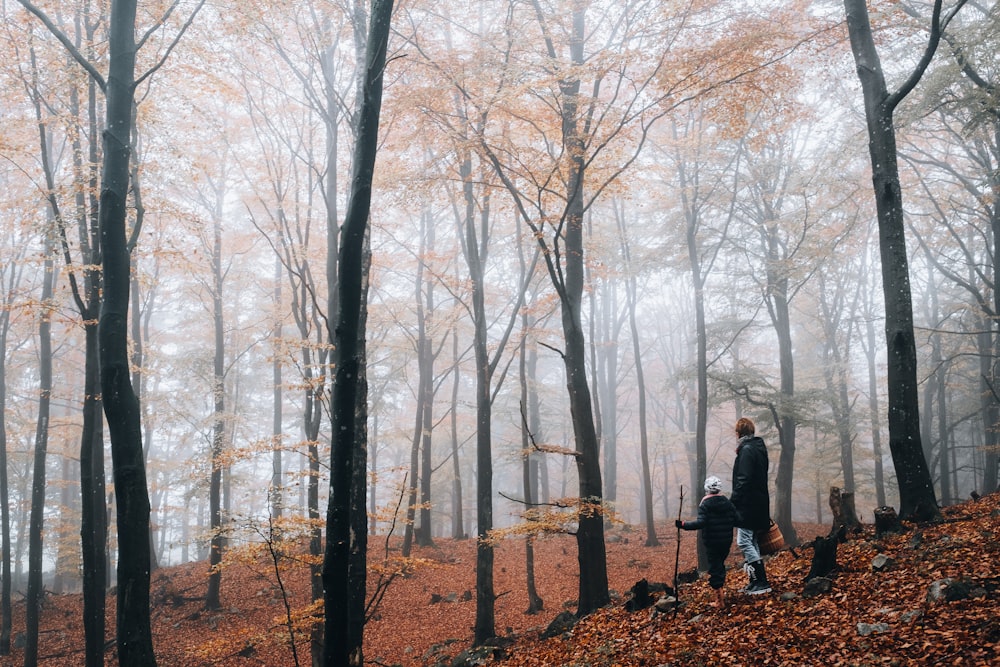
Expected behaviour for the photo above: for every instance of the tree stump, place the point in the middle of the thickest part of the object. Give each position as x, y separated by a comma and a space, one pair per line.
844, 514
886, 521
640, 596
825, 553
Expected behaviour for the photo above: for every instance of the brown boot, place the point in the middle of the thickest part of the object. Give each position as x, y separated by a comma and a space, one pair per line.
720, 598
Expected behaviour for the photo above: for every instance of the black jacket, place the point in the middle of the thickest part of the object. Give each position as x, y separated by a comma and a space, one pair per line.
750, 494
716, 518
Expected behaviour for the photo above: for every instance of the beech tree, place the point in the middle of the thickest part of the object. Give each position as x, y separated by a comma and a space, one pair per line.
632, 296
121, 408
917, 498
346, 547
10, 277
33, 596
82, 112
951, 144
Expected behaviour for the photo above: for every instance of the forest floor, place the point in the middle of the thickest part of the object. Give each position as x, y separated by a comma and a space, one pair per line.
427, 617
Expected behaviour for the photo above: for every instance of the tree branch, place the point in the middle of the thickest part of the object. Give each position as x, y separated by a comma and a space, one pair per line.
64, 40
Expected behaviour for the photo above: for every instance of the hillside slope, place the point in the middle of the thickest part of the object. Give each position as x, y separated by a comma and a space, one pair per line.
898, 616
427, 617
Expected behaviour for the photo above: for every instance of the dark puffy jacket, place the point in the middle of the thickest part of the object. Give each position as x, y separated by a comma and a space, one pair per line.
750, 494
716, 518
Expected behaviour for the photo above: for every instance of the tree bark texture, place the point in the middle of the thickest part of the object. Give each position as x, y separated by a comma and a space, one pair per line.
593, 586
5, 550
33, 596
218, 541
344, 625
121, 408
474, 251
916, 490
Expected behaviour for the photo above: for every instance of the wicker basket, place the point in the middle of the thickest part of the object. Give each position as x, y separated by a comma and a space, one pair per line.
771, 541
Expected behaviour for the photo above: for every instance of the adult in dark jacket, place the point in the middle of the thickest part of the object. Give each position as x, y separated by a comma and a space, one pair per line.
752, 501
716, 519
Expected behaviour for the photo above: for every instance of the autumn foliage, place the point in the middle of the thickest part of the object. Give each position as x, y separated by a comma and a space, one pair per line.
426, 617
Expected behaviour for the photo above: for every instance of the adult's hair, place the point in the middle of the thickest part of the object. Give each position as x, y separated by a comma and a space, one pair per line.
744, 427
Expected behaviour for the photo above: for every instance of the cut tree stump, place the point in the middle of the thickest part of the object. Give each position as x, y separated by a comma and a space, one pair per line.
844, 514
825, 553
886, 521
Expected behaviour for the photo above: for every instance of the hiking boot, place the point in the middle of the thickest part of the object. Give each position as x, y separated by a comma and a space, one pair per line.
751, 577
758, 582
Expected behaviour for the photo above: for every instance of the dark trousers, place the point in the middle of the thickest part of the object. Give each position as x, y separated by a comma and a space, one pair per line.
717, 555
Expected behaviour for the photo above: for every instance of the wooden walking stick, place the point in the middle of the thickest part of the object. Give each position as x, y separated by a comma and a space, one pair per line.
677, 557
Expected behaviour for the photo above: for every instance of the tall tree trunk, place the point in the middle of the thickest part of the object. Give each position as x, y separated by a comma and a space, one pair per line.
692, 225
277, 474
409, 529
33, 597
457, 511
632, 288
778, 308
94, 510
474, 245
607, 385
5, 553
10, 281
835, 375
992, 413
916, 489
312, 418
121, 408
344, 624
93, 525
593, 582
535, 603
869, 344
218, 540
426, 362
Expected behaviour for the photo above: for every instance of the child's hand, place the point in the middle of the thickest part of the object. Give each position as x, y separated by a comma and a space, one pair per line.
678, 523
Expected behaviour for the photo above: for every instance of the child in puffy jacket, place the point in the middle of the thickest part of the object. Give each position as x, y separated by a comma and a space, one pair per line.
716, 519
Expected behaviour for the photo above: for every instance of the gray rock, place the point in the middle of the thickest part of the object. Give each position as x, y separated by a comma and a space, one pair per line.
935, 592
949, 590
817, 586
882, 562
865, 629
477, 655
666, 603
563, 622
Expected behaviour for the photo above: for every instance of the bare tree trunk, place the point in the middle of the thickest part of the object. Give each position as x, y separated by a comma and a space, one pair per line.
535, 603
426, 362
344, 624
33, 597
593, 584
835, 373
277, 472
457, 511
218, 540
873, 402
10, 277
121, 407
916, 490
632, 289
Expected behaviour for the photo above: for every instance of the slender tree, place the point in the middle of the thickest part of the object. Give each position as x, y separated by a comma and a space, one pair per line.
10, 277
345, 622
632, 289
134, 636
33, 596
